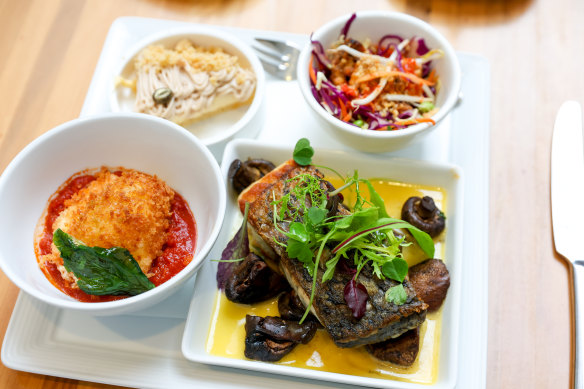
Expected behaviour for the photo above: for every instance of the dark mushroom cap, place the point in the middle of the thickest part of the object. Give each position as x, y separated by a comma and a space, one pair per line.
402, 350
431, 280
291, 308
271, 338
424, 214
253, 281
243, 174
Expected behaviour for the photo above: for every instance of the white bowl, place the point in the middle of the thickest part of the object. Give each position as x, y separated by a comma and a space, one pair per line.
374, 25
145, 143
214, 131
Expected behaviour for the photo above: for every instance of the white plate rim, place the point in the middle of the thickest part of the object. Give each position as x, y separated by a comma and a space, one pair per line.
454, 233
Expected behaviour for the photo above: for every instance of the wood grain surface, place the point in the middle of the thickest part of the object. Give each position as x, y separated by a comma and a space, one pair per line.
49, 50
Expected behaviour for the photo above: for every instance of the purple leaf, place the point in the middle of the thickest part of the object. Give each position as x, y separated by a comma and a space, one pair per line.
356, 297
237, 248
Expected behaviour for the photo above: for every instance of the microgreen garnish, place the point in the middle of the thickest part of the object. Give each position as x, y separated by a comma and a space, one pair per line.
363, 237
396, 294
303, 152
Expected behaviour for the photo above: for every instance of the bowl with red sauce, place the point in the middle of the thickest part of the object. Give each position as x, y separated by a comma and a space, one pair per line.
109, 214
379, 81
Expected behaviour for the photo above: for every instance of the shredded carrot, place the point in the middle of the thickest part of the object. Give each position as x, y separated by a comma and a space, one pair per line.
417, 120
432, 76
409, 65
311, 70
348, 116
409, 76
346, 89
343, 109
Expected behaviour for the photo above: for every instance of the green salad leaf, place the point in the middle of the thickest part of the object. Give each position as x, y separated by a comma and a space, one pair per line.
101, 271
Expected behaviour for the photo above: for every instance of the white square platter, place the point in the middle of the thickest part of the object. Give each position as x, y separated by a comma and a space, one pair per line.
445, 176
144, 349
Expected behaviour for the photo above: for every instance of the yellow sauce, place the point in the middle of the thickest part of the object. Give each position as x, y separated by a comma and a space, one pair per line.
227, 332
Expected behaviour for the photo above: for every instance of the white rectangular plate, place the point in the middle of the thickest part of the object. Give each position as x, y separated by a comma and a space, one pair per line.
447, 177
45, 340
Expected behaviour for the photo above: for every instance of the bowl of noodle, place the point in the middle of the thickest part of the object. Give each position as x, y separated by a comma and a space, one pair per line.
203, 79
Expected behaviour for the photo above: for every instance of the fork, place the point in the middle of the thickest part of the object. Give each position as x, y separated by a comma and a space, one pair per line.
279, 58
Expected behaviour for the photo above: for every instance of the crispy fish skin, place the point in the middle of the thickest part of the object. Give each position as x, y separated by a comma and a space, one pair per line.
382, 320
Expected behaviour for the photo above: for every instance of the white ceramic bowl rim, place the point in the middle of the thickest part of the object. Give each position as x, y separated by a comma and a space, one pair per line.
229, 39
411, 130
118, 304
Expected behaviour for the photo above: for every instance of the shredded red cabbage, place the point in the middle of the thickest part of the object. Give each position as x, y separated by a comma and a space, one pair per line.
398, 58
318, 52
338, 98
406, 114
387, 41
422, 48
347, 26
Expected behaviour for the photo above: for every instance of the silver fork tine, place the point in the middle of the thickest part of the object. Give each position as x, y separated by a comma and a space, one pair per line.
272, 53
273, 68
278, 57
278, 46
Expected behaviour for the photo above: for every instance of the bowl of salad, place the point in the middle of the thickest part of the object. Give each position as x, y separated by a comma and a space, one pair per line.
379, 80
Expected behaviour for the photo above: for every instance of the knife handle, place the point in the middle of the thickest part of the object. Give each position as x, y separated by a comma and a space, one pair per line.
578, 272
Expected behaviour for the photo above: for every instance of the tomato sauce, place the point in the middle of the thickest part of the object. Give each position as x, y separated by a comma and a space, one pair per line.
177, 253
180, 243
57, 205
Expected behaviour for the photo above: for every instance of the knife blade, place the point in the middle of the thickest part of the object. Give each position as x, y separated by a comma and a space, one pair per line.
567, 190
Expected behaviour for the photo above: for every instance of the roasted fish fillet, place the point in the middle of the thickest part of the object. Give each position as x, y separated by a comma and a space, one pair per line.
382, 320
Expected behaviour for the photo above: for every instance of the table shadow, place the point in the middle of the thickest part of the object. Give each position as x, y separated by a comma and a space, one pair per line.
466, 12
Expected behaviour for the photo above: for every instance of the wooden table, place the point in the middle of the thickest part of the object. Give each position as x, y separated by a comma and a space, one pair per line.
49, 50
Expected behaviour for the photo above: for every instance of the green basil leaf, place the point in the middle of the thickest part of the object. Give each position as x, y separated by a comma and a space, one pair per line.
396, 294
303, 152
101, 271
396, 269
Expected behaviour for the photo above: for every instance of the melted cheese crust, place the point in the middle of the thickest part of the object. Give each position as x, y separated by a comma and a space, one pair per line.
127, 209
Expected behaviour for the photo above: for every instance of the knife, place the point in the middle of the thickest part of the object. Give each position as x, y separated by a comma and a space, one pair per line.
567, 190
